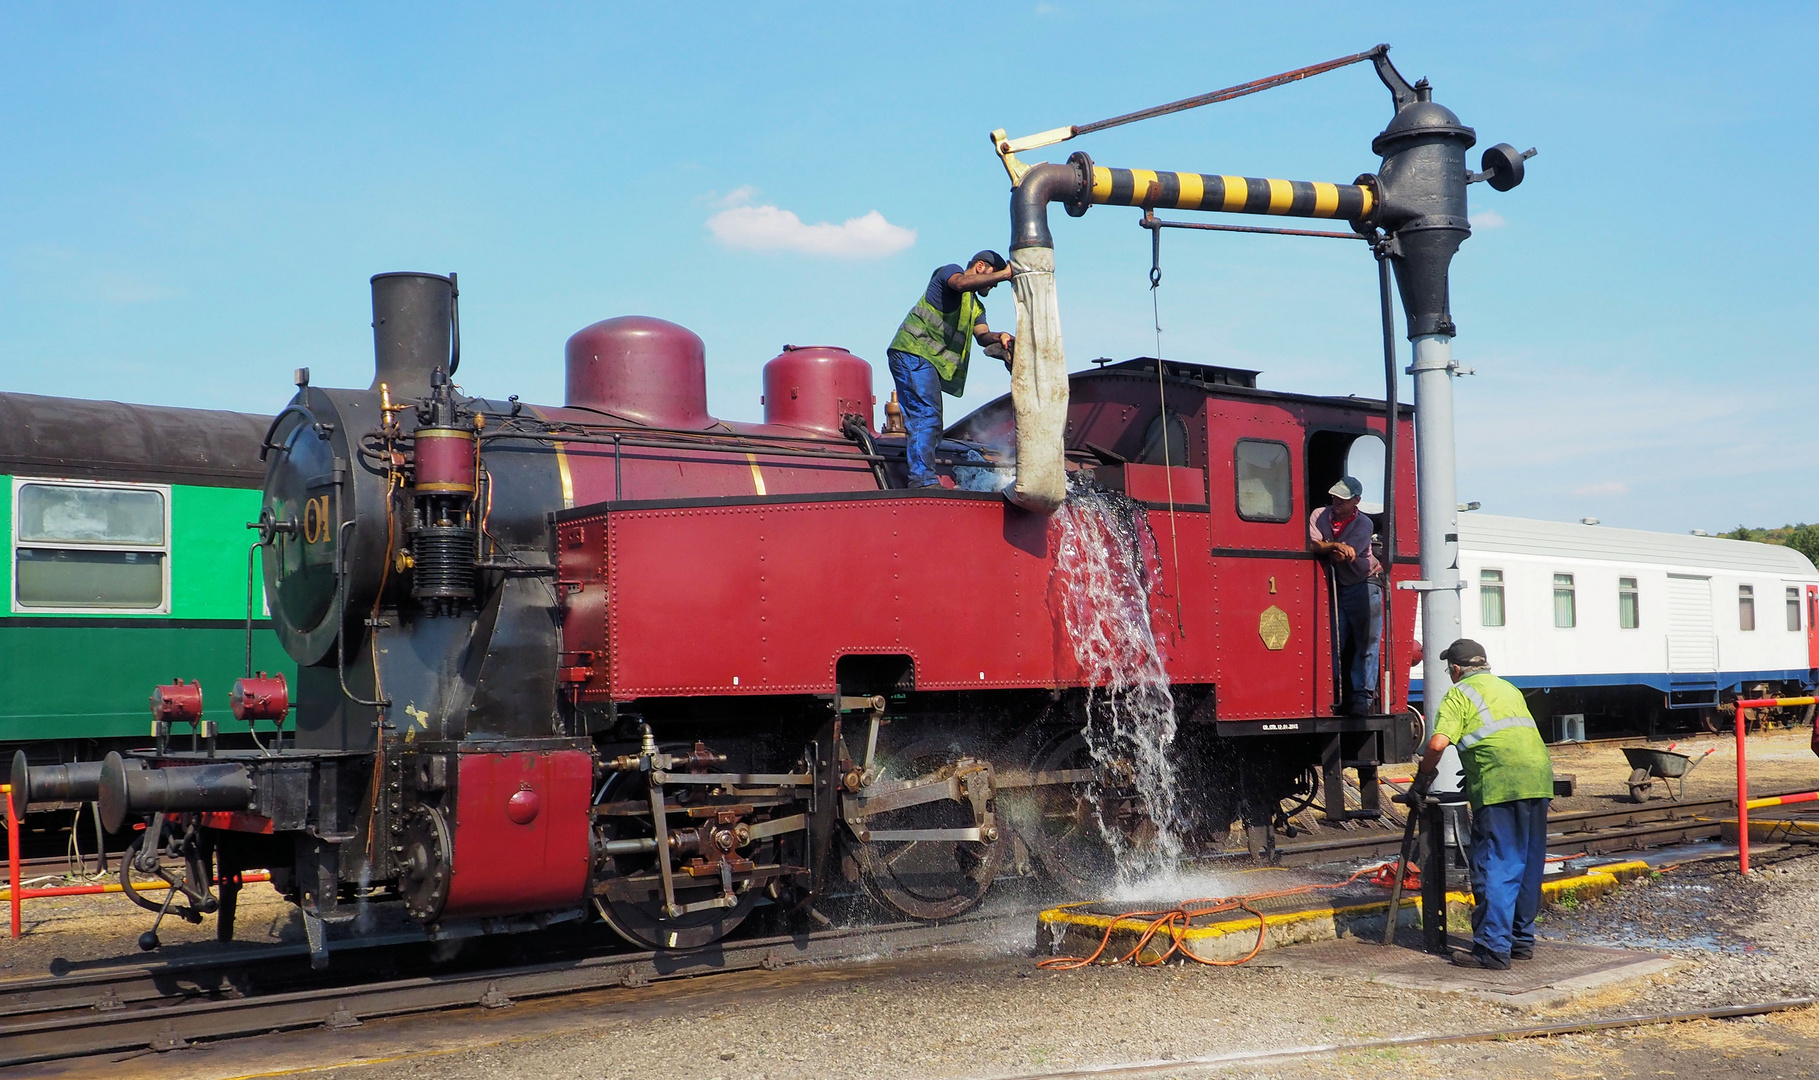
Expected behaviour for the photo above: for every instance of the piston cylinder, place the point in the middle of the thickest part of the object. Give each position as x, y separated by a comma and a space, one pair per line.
445, 460
125, 790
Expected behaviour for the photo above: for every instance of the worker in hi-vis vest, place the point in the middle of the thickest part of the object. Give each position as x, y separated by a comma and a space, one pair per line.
929, 353
1509, 780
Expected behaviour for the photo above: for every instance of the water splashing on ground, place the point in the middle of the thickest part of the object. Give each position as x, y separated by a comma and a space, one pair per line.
1105, 567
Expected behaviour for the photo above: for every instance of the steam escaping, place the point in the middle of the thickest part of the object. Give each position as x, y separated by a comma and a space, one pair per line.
1105, 563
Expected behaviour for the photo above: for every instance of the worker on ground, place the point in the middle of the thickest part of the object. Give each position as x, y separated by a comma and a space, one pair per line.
929, 353
1341, 534
1509, 780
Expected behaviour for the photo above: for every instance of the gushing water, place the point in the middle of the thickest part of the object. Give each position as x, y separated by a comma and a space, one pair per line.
1105, 566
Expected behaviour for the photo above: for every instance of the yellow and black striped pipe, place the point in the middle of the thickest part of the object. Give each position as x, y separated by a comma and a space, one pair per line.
1232, 194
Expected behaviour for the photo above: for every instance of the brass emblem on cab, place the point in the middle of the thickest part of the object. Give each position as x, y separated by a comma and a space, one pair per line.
1272, 626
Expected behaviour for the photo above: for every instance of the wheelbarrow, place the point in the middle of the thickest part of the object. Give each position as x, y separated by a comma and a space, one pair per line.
1648, 764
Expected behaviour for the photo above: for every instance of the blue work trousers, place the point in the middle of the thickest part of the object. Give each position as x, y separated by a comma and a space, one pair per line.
1509, 853
1360, 612
919, 393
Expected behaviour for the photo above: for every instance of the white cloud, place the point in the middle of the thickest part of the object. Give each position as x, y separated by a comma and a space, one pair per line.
1488, 219
743, 226
739, 196
1608, 487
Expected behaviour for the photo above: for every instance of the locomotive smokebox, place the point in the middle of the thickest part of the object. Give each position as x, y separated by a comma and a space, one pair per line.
640, 369
412, 320
815, 386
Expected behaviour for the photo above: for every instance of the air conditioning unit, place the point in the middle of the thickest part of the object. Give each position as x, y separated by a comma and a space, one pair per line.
1569, 727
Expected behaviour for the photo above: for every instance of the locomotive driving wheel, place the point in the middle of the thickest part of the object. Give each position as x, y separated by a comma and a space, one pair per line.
1071, 811
643, 921
926, 876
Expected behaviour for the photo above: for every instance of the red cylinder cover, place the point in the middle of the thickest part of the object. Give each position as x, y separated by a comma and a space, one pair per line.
262, 697
640, 369
813, 386
445, 459
178, 703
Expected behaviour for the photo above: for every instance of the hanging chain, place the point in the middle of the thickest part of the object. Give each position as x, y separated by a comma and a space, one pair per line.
1168, 472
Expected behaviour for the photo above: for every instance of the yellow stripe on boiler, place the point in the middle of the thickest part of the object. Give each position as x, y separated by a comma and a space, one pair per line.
568, 478
757, 477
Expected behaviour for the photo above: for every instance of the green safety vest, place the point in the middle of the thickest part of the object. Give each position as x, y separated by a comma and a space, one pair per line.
1499, 745
943, 338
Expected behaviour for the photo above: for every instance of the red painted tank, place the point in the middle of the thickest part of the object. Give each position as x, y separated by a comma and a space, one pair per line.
813, 386
640, 369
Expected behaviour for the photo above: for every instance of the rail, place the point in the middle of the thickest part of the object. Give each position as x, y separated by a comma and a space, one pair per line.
40, 1022
1743, 784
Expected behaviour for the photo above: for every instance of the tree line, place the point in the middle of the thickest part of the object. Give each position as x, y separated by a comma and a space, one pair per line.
1802, 538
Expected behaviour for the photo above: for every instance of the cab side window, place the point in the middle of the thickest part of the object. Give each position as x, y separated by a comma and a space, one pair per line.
1263, 480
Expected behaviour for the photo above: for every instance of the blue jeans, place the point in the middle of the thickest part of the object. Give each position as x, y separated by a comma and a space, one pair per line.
1360, 608
1509, 853
919, 392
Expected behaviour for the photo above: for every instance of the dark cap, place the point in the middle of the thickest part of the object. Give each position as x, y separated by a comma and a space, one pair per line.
1465, 652
991, 258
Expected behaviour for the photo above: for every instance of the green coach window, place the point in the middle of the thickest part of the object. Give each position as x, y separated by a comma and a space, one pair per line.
90, 547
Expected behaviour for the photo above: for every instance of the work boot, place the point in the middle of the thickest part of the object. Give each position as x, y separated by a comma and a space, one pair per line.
1522, 952
1476, 959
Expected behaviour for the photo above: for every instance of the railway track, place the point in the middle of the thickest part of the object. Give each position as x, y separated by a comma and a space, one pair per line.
168, 1007
1596, 832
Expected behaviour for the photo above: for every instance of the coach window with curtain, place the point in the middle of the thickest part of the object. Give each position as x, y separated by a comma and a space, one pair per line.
1629, 613
1793, 609
1566, 613
1490, 597
1746, 607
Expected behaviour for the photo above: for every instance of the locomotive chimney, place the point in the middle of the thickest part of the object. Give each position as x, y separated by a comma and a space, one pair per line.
412, 320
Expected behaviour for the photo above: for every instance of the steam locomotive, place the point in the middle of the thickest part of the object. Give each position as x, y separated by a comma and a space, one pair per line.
620, 656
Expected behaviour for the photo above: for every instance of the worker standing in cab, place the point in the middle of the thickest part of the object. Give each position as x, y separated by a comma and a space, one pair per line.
1341, 534
1510, 781
929, 354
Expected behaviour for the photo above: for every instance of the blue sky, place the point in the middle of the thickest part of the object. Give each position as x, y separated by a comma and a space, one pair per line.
195, 197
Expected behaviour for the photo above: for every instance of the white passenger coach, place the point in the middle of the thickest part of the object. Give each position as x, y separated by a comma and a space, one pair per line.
1619, 631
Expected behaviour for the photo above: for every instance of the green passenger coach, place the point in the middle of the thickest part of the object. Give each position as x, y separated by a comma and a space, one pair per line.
126, 552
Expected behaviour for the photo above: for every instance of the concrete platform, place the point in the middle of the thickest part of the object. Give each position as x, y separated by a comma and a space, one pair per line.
1559, 973
1327, 912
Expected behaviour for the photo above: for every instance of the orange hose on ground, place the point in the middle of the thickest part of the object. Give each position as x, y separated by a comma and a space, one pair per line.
1178, 920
